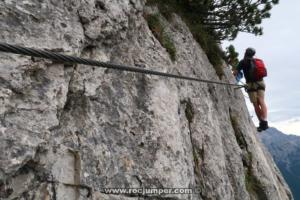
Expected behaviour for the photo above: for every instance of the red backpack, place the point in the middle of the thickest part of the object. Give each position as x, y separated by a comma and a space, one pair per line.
259, 69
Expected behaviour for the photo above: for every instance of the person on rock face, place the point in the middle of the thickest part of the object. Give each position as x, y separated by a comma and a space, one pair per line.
254, 71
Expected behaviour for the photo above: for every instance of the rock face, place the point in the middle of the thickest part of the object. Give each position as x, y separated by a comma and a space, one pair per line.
68, 132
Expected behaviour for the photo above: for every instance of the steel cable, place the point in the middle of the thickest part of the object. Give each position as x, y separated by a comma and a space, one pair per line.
8, 48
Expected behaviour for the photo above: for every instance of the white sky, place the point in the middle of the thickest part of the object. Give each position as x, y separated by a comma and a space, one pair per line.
279, 47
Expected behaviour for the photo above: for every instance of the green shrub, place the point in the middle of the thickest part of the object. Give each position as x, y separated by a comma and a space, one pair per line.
162, 36
210, 46
252, 183
169, 45
237, 133
254, 186
203, 36
189, 110
154, 25
232, 57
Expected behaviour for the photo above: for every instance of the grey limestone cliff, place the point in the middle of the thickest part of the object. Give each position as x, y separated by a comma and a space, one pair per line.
69, 131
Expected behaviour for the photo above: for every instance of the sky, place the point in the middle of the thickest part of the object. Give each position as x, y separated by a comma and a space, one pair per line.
279, 47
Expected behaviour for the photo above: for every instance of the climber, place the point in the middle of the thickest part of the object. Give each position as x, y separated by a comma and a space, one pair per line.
254, 71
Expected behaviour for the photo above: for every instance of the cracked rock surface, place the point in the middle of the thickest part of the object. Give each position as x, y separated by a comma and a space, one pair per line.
69, 131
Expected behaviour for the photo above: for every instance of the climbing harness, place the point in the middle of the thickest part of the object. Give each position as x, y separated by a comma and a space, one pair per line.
8, 48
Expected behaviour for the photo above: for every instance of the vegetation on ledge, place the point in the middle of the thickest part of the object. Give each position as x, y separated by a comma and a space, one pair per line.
212, 21
162, 36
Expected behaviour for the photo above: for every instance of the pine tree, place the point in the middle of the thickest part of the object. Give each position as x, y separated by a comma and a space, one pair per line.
226, 18
232, 56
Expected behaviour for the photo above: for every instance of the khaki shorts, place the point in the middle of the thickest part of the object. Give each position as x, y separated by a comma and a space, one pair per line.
256, 90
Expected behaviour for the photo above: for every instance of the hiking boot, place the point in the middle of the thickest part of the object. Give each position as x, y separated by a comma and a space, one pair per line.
263, 125
259, 129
